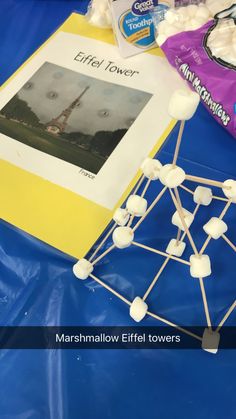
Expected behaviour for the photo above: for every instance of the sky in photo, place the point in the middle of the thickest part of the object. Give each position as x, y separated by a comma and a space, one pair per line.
105, 106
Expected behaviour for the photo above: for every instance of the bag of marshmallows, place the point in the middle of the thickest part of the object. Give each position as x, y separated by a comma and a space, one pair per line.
199, 40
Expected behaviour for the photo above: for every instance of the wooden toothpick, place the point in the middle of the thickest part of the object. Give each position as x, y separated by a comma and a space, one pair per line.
103, 254
156, 200
178, 205
179, 139
206, 309
229, 242
232, 307
159, 252
206, 181
181, 329
102, 242
156, 278
117, 294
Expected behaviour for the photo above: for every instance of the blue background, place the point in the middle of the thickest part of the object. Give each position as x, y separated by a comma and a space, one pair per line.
37, 287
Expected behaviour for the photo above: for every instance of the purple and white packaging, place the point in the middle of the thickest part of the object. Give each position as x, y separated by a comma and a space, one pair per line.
207, 61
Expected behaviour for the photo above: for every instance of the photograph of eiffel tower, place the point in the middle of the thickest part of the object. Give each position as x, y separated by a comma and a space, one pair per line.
71, 116
58, 125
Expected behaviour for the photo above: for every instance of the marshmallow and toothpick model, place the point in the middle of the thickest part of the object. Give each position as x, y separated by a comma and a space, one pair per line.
182, 107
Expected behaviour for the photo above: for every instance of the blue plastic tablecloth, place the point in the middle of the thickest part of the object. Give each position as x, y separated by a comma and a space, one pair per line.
37, 287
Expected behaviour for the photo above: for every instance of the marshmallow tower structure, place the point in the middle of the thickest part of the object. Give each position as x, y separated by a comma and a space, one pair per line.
182, 107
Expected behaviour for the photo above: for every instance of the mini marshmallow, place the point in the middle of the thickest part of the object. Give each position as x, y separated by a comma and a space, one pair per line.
82, 269
123, 237
200, 266
121, 216
183, 14
188, 218
229, 189
196, 23
175, 248
215, 228
210, 341
202, 12
203, 196
171, 16
172, 176
99, 14
136, 205
183, 104
161, 39
138, 309
192, 10
151, 168
171, 30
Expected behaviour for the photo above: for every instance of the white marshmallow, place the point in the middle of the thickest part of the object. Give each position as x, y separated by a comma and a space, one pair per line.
229, 189
162, 27
210, 341
196, 23
123, 237
171, 16
200, 266
136, 205
215, 228
171, 30
175, 248
192, 10
151, 168
202, 12
183, 104
183, 14
171, 176
203, 196
121, 216
161, 39
82, 269
99, 14
138, 309
188, 218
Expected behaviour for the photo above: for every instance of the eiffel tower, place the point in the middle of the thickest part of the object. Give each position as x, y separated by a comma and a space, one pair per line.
58, 125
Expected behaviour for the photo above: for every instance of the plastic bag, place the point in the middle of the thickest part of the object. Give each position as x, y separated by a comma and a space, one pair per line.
99, 14
202, 48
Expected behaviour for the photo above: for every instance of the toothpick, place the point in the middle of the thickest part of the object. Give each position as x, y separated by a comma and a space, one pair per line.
178, 236
102, 242
103, 254
178, 205
179, 139
205, 245
186, 189
220, 198
161, 319
159, 252
229, 242
205, 303
225, 209
205, 181
146, 188
156, 278
159, 196
232, 307
117, 294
